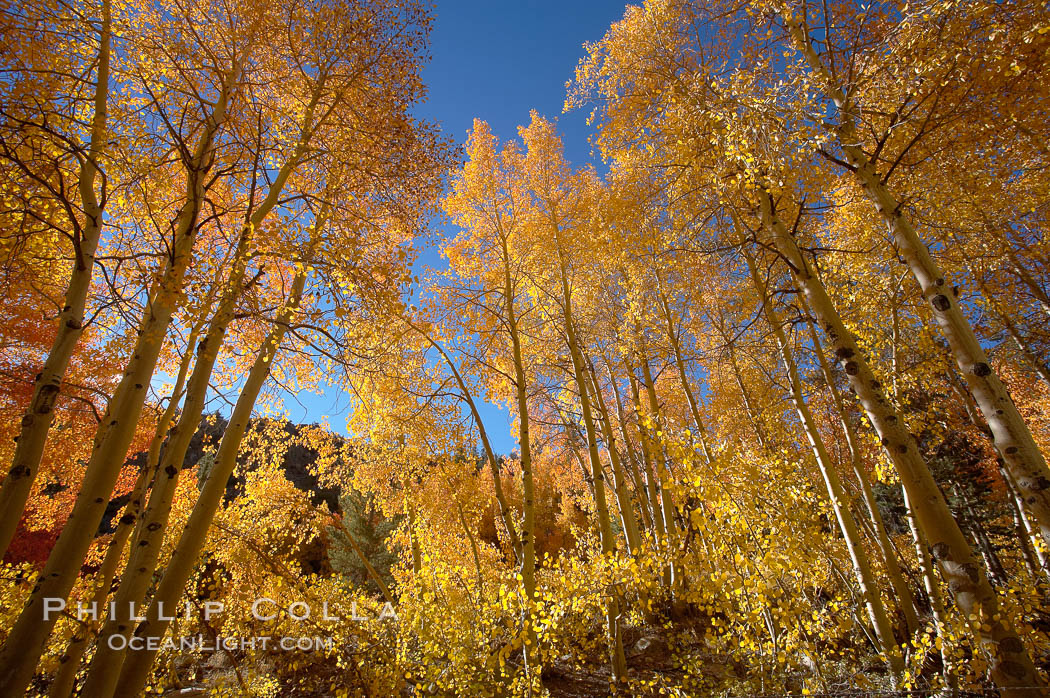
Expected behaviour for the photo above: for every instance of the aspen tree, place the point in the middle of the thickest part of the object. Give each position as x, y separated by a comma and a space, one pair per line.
729, 343
889, 554
608, 541
39, 415
1010, 432
485, 201
623, 497
683, 376
660, 455
528, 527
931, 585
551, 187
147, 544
1011, 664
69, 664
136, 667
836, 495
651, 483
1028, 541
1032, 538
490, 455
26, 641
632, 459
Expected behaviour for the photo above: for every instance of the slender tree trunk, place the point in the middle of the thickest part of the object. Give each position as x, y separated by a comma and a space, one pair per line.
649, 425
1011, 434
996, 571
1022, 534
847, 525
1011, 665
65, 678
660, 455
528, 488
69, 663
889, 554
632, 460
676, 347
24, 645
652, 484
933, 590
618, 661
749, 405
471, 538
149, 536
369, 568
136, 667
623, 495
40, 414
506, 513
1031, 537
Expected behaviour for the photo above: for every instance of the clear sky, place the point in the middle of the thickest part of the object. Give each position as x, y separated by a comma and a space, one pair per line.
496, 60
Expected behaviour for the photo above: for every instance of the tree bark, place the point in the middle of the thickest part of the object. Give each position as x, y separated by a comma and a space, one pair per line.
65, 678
618, 661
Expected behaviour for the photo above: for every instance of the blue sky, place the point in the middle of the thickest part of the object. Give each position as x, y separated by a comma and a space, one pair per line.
496, 61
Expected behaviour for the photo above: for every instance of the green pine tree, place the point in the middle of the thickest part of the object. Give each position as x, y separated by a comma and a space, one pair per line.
371, 532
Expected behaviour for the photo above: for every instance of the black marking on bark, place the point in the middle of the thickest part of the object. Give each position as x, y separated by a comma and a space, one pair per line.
940, 302
982, 369
851, 368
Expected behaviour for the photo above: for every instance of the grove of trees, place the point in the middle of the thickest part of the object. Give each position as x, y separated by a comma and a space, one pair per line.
777, 364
